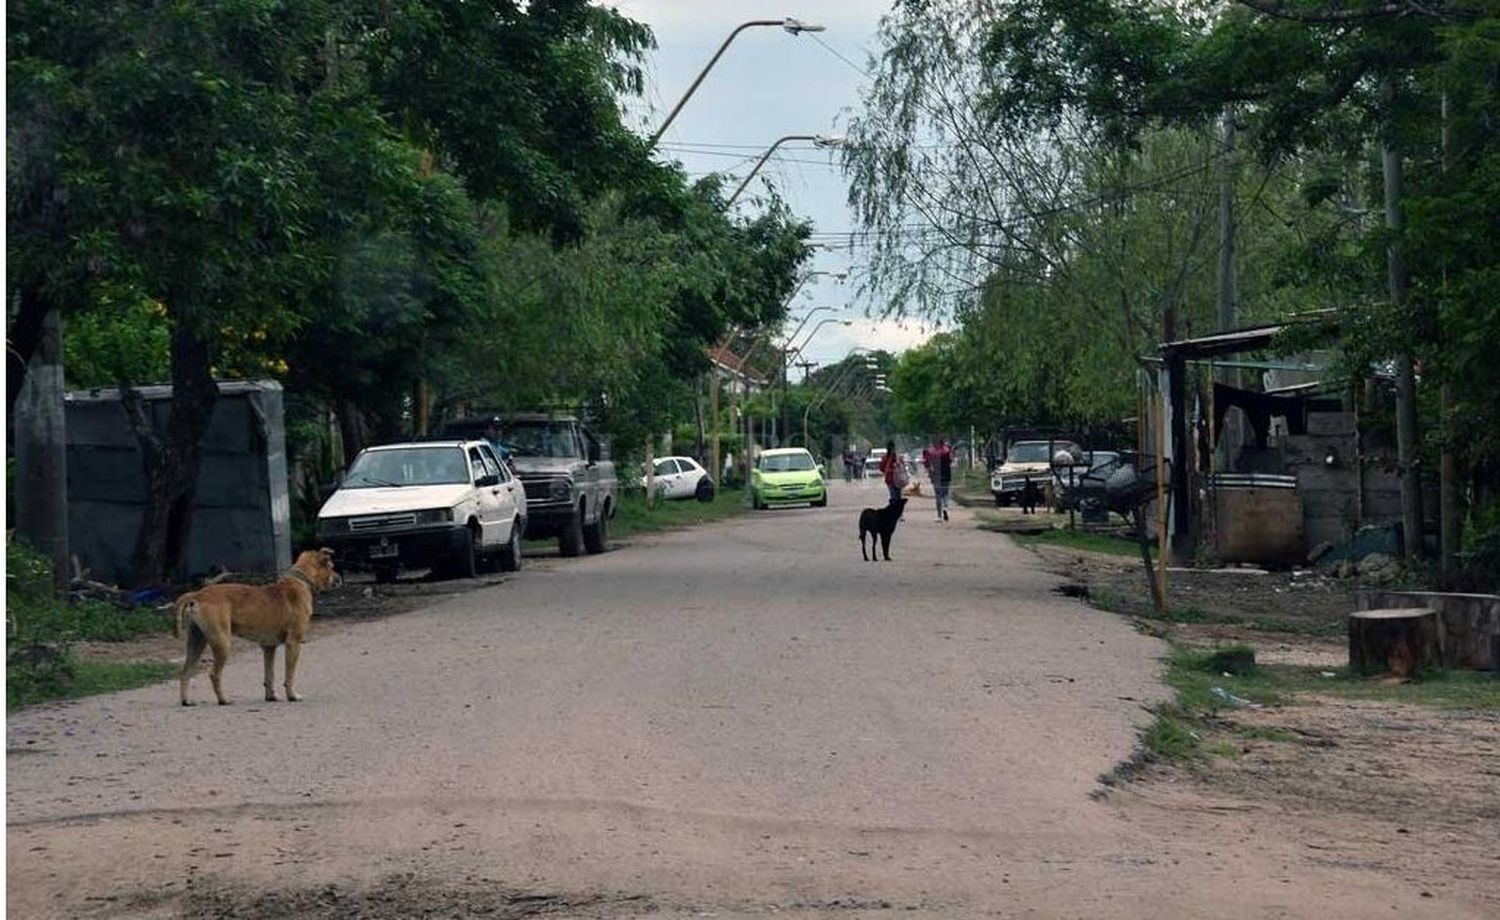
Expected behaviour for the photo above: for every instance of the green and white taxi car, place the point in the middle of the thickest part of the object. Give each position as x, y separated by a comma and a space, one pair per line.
787, 476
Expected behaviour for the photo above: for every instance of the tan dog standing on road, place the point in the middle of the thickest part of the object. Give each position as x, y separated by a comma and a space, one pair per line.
269, 615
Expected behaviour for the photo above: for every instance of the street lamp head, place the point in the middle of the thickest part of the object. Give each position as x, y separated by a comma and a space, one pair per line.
847, 322
796, 26
830, 140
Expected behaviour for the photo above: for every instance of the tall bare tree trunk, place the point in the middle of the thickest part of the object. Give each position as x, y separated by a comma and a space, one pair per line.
171, 460
41, 452
354, 433
1406, 381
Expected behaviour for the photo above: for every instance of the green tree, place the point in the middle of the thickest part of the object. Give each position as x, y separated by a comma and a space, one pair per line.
245, 164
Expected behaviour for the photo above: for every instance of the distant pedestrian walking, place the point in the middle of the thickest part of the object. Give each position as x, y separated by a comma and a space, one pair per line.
893, 471
939, 462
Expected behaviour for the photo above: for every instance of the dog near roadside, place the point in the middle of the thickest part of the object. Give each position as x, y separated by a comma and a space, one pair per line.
1030, 495
268, 615
879, 523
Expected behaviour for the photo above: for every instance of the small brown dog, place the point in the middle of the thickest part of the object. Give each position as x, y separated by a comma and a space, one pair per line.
269, 615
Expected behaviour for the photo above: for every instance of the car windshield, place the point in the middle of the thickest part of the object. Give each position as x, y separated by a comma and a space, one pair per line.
541, 439
407, 466
1030, 452
785, 463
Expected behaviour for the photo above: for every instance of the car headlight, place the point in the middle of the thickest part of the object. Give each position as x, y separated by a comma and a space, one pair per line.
332, 525
435, 516
561, 488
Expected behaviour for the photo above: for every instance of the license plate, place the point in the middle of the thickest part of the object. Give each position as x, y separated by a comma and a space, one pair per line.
383, 550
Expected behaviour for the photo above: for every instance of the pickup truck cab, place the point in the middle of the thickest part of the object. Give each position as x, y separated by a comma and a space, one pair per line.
450, 506
571, 487
1026, 460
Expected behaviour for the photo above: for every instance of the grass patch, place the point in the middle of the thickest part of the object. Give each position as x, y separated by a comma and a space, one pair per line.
1172, 736
86, 677
1087, 541
96, 621
972, 488
633, 517
1266, 733
1203, 676
43, 628
1110, 600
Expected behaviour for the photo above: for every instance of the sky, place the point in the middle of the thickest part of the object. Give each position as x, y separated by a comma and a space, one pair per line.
770, 84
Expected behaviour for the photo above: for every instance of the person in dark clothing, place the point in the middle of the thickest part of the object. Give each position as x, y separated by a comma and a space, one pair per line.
939, 462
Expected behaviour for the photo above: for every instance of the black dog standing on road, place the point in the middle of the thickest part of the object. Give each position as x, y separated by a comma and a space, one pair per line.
881, 523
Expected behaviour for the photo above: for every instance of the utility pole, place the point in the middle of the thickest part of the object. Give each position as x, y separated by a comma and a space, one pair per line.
1231, 436
1448, 534
41, 454
1228, 281
713, 396
1406, 380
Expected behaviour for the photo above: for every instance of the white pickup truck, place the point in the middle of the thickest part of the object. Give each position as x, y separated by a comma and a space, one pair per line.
1026, 460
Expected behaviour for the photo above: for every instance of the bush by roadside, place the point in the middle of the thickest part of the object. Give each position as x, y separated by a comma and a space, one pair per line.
634, 517
42, 629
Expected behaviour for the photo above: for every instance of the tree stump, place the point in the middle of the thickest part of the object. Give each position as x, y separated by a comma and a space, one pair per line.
1400, 641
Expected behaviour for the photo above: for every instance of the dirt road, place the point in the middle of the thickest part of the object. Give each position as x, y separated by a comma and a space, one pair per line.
729, 721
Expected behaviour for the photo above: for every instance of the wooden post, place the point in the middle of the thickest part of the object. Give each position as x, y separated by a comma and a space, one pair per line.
1162, 554
1179, 480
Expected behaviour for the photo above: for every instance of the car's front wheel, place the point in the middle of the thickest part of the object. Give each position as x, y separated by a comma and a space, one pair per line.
596, 535
570, 540
704, 491
465, 563
510, 554
821, 502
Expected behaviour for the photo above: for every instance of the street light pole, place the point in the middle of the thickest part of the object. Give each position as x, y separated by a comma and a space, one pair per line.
792, 26
786, 357
818, 139
838, 381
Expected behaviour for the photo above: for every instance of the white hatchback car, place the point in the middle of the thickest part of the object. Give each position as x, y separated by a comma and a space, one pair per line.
444, 505
681, 477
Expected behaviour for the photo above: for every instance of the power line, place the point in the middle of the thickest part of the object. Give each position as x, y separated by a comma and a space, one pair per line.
836, 53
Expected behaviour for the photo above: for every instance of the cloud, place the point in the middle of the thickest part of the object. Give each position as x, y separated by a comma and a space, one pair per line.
890, 335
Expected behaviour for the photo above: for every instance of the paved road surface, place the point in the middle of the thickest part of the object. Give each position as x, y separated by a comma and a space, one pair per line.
728, 721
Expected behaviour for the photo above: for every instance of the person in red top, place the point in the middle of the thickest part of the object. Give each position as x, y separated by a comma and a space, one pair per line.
893, 471
939, 462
